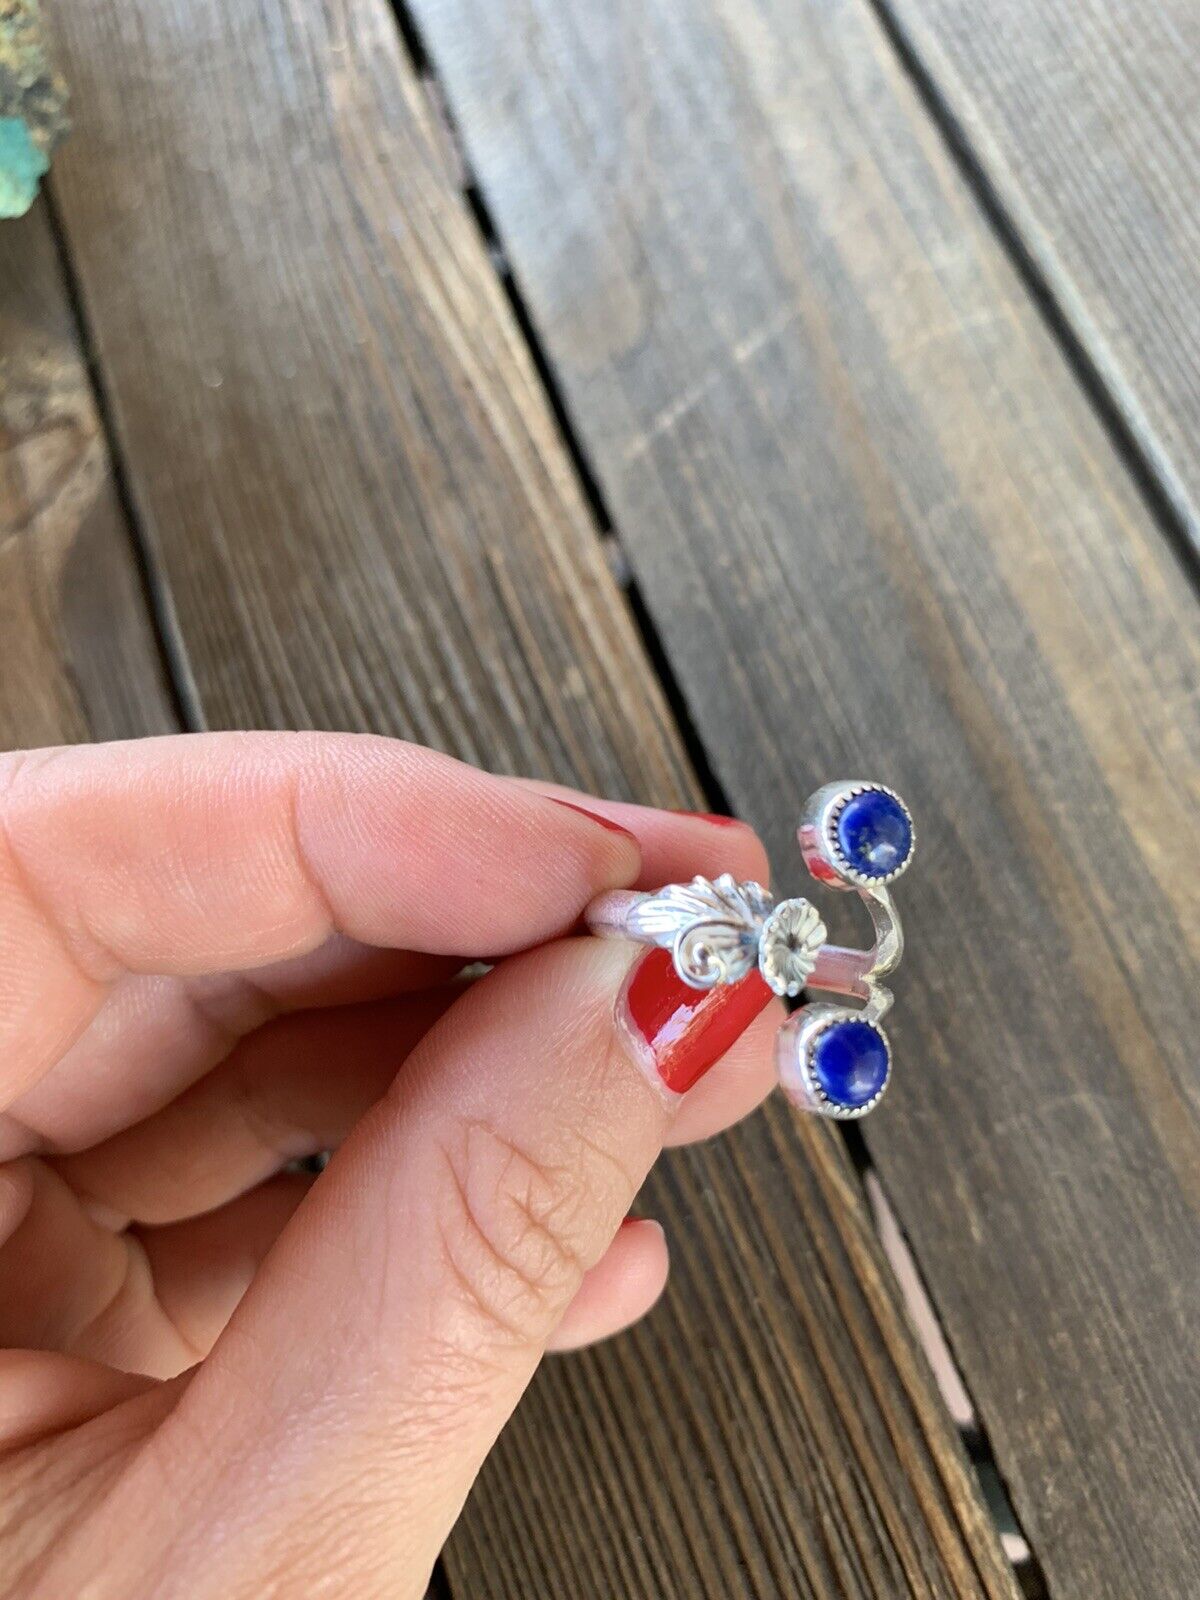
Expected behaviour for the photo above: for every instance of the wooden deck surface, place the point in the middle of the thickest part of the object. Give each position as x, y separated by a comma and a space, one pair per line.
694, 401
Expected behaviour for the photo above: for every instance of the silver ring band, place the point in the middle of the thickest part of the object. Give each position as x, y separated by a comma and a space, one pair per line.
832, 1060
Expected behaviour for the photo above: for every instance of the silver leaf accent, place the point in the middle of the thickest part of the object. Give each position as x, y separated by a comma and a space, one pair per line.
788, 946
712, 928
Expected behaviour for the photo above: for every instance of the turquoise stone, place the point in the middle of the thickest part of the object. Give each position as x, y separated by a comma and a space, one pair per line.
33, 106
21, 166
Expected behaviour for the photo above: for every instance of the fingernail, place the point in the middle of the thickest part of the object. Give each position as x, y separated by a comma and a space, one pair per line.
715, 817
594, 816
645, 1223
679, 1032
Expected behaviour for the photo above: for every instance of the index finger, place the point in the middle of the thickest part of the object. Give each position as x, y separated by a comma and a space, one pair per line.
214, 852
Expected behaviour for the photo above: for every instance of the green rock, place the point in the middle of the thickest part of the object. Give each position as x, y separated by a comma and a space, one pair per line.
21, 166
33, 100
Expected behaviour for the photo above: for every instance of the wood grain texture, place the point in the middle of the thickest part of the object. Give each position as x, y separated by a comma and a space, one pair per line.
354, 492
334, 439
716, 1436
882, 532
1084, 117
78, 657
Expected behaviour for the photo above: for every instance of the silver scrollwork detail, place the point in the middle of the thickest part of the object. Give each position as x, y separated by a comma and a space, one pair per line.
712, 928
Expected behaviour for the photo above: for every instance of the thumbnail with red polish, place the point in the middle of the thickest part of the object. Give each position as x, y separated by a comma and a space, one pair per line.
594, 816
716, 817
683, 1031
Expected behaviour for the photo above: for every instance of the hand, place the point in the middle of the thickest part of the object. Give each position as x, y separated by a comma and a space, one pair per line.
218, 954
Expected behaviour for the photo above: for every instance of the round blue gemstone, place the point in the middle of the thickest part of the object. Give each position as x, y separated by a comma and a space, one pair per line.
850, 1062
874, 833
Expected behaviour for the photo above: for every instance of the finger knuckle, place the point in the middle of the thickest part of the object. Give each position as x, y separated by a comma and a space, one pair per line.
517, 1225
27, 846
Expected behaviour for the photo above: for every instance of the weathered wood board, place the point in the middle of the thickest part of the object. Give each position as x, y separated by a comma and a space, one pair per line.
1083, 118
881, 531
78, 658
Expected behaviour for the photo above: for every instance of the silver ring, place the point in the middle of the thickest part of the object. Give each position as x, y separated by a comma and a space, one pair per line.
833, 1060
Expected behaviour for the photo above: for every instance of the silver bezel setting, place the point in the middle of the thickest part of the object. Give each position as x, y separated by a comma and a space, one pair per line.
795, 1046
822, 848
718, 931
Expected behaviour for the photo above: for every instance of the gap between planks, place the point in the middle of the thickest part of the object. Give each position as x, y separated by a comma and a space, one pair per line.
922, 1313
1152, 481
180, 687
459, 171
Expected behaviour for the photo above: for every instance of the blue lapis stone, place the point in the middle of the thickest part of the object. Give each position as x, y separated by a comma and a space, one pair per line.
874, 833
850, 1062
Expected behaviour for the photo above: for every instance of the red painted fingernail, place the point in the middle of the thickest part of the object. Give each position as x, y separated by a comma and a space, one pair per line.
678, 1031
642, 1222
714, 816
594, 816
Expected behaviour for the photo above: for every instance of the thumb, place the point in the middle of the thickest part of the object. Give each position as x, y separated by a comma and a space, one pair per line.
340, 1421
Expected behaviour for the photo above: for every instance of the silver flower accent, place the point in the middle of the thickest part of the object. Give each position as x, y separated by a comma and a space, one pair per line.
712, 928
788, 945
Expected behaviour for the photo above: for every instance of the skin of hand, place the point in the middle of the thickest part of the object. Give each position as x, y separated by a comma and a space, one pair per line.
220, 953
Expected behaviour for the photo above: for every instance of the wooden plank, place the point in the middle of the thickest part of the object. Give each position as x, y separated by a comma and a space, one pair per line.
351, 490
354, 490
882, 531
1082, 115
716, 1436
78, 657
